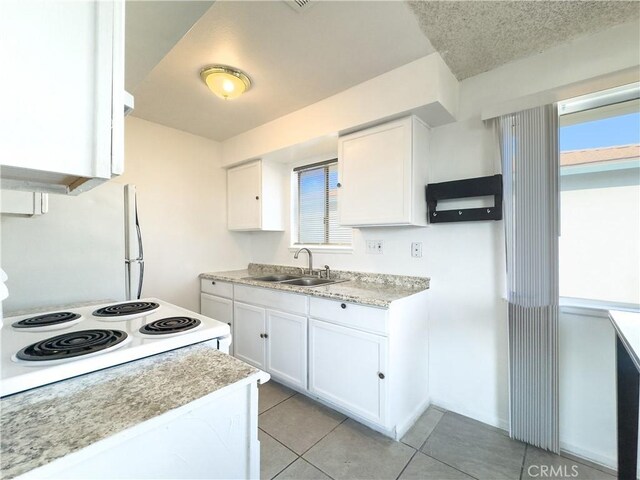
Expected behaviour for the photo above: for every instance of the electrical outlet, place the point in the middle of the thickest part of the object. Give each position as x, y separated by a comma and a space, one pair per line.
416, 249
375, 247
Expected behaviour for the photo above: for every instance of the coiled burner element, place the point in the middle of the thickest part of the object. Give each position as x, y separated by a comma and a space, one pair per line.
169, 325
122, 309
72, 344
46, 320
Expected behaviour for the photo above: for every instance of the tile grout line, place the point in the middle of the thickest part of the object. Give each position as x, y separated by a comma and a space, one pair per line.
289, 464
281, 401
448, 465
299, 456
309, 461
316, 467
431, 432
345, 419
269, 435
524, 458
405, 467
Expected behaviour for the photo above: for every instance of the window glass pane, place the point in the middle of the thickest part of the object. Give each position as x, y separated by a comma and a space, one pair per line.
318, 207
337, 234
311, 206
600, 204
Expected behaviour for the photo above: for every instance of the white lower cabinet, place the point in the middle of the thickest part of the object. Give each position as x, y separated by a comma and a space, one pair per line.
370, 363
347, 367
272, 341
287, 347
220, 309
250, 328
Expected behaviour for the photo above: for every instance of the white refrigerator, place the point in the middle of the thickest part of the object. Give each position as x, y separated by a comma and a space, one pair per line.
85, 248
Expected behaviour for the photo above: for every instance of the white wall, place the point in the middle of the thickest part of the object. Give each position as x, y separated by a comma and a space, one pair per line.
468, 316
600, 238
588, 386
73, 253
182, 207
425, 85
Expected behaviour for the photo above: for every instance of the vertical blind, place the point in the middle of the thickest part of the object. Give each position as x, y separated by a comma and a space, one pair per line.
529, 151
318, 206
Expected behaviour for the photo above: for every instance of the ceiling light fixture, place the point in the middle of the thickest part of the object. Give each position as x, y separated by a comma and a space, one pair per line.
226, 82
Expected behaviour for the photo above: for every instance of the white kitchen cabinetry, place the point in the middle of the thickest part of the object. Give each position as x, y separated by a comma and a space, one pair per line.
383, 174
287, 347
65, 94
216, 301
273, 341
271, 332
250, 329
370, 363
255, 197
347, 367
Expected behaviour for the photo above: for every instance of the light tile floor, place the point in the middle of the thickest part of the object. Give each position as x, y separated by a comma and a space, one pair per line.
302, 439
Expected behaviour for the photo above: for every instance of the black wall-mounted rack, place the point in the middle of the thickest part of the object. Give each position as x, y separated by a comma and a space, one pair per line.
467, 188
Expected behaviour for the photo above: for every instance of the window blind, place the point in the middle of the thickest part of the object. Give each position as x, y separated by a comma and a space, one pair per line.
318, 206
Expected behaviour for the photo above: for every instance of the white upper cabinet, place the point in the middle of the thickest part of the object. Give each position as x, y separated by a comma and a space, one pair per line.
63, 94
383, 174
255, 197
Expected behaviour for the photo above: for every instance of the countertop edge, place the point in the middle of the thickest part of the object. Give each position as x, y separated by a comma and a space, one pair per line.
633, 354
24, 409
311, 291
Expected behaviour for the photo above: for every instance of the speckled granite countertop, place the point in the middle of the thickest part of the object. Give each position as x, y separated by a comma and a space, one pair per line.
377, 290
46, 423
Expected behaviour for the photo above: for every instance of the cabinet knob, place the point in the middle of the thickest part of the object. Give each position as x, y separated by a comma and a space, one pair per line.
257, 197
213, 283
262, 335
229, 323
338, 185
266, 335
343, 305
380, 375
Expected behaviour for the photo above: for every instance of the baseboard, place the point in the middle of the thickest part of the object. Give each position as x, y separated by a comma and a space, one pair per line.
405, 426
589, 457
491, 420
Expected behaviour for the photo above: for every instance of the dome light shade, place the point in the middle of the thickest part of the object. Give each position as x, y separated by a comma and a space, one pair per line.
226, 82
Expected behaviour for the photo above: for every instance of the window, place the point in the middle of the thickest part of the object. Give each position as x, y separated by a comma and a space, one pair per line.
317, 206
600, 202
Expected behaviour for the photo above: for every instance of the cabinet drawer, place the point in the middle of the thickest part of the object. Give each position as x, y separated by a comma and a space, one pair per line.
369, 319
216, 287
276, 299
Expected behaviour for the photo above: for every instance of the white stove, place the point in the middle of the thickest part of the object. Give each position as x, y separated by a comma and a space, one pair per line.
42, 348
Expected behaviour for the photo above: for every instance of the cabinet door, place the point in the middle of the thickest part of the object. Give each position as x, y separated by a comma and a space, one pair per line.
220, 309
345, 366
375, 175
244, 203
68, 108
287, 347
249, 330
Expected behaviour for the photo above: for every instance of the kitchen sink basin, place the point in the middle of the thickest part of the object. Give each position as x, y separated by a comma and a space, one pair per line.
276, 278
309, 282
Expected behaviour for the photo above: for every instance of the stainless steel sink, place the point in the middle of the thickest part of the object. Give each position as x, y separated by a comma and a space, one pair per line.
308, 281
275, 278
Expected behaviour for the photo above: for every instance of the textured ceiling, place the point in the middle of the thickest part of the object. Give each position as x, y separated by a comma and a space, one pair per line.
294, 60
476, 36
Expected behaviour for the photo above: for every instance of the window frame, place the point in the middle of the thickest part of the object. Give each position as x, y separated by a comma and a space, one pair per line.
577, 105
294, 245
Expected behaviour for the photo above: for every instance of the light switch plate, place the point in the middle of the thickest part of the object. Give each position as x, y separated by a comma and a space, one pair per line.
375, 247
416, 249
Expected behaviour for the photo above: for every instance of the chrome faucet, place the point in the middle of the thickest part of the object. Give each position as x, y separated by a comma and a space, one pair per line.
310, 259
